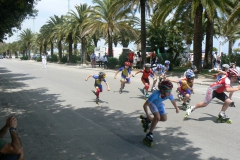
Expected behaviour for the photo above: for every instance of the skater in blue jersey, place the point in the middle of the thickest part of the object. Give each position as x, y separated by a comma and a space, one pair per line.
155, 104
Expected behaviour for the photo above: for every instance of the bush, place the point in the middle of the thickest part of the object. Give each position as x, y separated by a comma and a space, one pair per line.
24, 58
38, 59
112, 62
122, 59
54, 58
64, 59
75, 58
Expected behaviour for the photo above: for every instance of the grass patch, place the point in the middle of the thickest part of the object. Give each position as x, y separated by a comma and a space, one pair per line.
204, 72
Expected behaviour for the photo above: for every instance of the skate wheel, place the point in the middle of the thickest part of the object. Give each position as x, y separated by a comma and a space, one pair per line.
145, 130
229, 121
141, 117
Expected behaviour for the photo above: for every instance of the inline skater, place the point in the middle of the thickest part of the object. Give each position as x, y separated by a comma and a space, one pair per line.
193, 69
217, 90
158, 72
166, 67
98, 86
145, 78
125, 76
155, 104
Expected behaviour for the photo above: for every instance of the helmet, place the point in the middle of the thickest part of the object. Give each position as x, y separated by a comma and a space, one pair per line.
225, 66
154, 65
165, 85
147, 65
232, 72
193, 67
167, 62
101, 75
190, 75
159, 66
127, 63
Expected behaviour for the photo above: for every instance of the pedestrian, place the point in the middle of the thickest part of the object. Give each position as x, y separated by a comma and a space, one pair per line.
98, 86
139, 60
145, 78
13, 150
105, 60
217, 90
99, 60
93, 60
215, 60
130, 58
44, 61
157, 107
125, 76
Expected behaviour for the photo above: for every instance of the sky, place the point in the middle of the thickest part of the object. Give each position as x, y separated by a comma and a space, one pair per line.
49, 8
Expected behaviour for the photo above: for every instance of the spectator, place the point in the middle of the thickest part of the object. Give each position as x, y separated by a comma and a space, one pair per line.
44, 61
99, 60
139, 60
105, 60
215, 60
14, 150
130, 57
93, 60
153, 58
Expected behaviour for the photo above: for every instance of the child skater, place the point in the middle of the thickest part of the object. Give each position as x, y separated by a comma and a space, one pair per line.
98, 80
126, 75
156, 106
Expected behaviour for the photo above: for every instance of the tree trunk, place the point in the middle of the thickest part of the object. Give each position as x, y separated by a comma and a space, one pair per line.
40, 49
60, 49
75, 49
28, 49
51, 49
95, 41
45, 48
209, 44
143, 32
83, 52
110, 48
197, 46
70, 42
230, 44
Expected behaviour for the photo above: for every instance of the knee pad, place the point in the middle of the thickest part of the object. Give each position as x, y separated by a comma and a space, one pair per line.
147, 86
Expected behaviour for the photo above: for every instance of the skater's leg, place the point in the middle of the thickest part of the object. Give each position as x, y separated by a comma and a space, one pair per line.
187, 97
226, 103
155, 120
230, 95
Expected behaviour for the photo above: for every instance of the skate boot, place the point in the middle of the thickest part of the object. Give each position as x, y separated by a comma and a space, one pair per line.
120, 90
145, 123
146, 96
189, 110
97, 101
232, 104
148, 140
184, 106
223, 118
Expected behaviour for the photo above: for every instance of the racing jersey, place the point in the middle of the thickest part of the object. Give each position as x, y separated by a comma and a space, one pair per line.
157, 99
125, 71
185, 83
130, 56
221, 85
146, 74
165, 68
97, 80
154, 70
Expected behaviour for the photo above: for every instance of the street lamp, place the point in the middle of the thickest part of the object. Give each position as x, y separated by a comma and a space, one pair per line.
33, 25
220, 48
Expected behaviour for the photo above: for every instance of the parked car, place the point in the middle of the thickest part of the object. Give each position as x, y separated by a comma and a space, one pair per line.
35, 56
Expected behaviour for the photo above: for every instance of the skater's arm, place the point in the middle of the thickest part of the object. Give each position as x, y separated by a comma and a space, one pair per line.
108, 87
175, 105
220, 72
116, 74
88, 77
145, 105
137, 72
171, 80
229, 89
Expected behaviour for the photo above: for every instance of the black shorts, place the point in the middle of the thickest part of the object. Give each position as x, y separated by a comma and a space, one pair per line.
213, 94
10, 156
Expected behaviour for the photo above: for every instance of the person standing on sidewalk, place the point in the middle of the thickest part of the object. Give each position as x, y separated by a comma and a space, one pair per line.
105, 59
44, 61
13, 150
93, 60
99, 60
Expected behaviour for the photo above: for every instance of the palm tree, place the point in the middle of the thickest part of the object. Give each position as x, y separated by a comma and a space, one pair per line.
165, 8
27, 37
144, 6
235, 13
109, 17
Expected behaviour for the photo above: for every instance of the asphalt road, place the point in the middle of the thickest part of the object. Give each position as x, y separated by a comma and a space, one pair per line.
58, 118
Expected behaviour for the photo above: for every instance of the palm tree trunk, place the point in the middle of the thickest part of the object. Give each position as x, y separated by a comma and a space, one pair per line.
40, 49
70, 42
45, 48
75, 48
197, 46
60, 50
209, 44
83, 58
143, 31
110, 48
230, 44
51, 49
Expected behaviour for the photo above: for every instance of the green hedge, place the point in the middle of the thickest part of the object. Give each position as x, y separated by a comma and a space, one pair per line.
112, 62
24, 58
